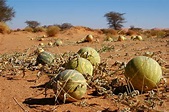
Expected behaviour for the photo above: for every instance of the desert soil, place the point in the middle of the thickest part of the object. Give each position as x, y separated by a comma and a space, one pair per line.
19, 94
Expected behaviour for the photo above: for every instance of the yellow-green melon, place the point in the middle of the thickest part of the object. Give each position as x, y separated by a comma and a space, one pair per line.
143, 72
82, 65
70, 85
90, 54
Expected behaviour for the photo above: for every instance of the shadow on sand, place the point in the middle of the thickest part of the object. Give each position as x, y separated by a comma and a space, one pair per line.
40, 101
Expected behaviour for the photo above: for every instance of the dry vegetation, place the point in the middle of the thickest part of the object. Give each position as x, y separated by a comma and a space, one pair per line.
4, 28
108, 89
52, 30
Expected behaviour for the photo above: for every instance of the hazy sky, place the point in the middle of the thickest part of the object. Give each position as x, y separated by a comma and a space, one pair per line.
90, 13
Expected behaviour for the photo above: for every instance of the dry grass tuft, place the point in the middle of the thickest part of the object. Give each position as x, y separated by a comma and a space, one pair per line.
109, 32
28, 29
52, 30
39, 29
155, 33
4, 28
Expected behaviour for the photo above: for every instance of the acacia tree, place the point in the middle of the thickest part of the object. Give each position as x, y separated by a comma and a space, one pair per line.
32, 24
115, 20
6, 12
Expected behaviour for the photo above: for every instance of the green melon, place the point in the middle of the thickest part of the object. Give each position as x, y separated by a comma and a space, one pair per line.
58, 42
82, 65
90, 54
71, 85
143, 72
45, 58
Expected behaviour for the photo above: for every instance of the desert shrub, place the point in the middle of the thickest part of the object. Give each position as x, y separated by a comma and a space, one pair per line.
99, 31
66, 26
32, 24
155, 33
139, 31
18, 29
88, 29
39, 29
121, 32
131, 32
4, 28
28, 29
135, 28
52, 30
161, 33
109, 31
166, 32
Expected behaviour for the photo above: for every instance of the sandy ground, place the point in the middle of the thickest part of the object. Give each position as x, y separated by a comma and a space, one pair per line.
19, 94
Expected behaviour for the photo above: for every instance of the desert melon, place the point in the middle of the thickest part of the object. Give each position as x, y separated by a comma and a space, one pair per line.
90, 54
143, 72
133, 37
121, 38
58, 42
89, 38
81, 64
44, 57
69, 85
138, 38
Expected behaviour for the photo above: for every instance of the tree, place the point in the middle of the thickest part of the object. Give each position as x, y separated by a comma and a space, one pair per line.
115, 20
6, 12
32, 24
66, 26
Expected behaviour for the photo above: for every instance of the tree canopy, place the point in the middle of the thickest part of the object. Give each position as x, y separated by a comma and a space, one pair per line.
32, 24
6, 12
115, 20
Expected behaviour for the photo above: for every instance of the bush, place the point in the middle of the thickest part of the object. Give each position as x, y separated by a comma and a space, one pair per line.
155, 33
32, 24
138, 31
166, 32
109, 31
18, 29
66, 26
121, 32
4, 28
28, 29
39, 29
158, 33
52, 30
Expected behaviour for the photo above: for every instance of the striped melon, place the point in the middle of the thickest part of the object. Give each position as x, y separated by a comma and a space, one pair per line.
90, 54
82, 65
143, 72
71, 85
45, 58
58, 42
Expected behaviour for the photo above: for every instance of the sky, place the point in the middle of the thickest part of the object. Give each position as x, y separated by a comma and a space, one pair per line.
90, 13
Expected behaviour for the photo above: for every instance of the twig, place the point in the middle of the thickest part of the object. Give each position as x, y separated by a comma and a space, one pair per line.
20, 105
